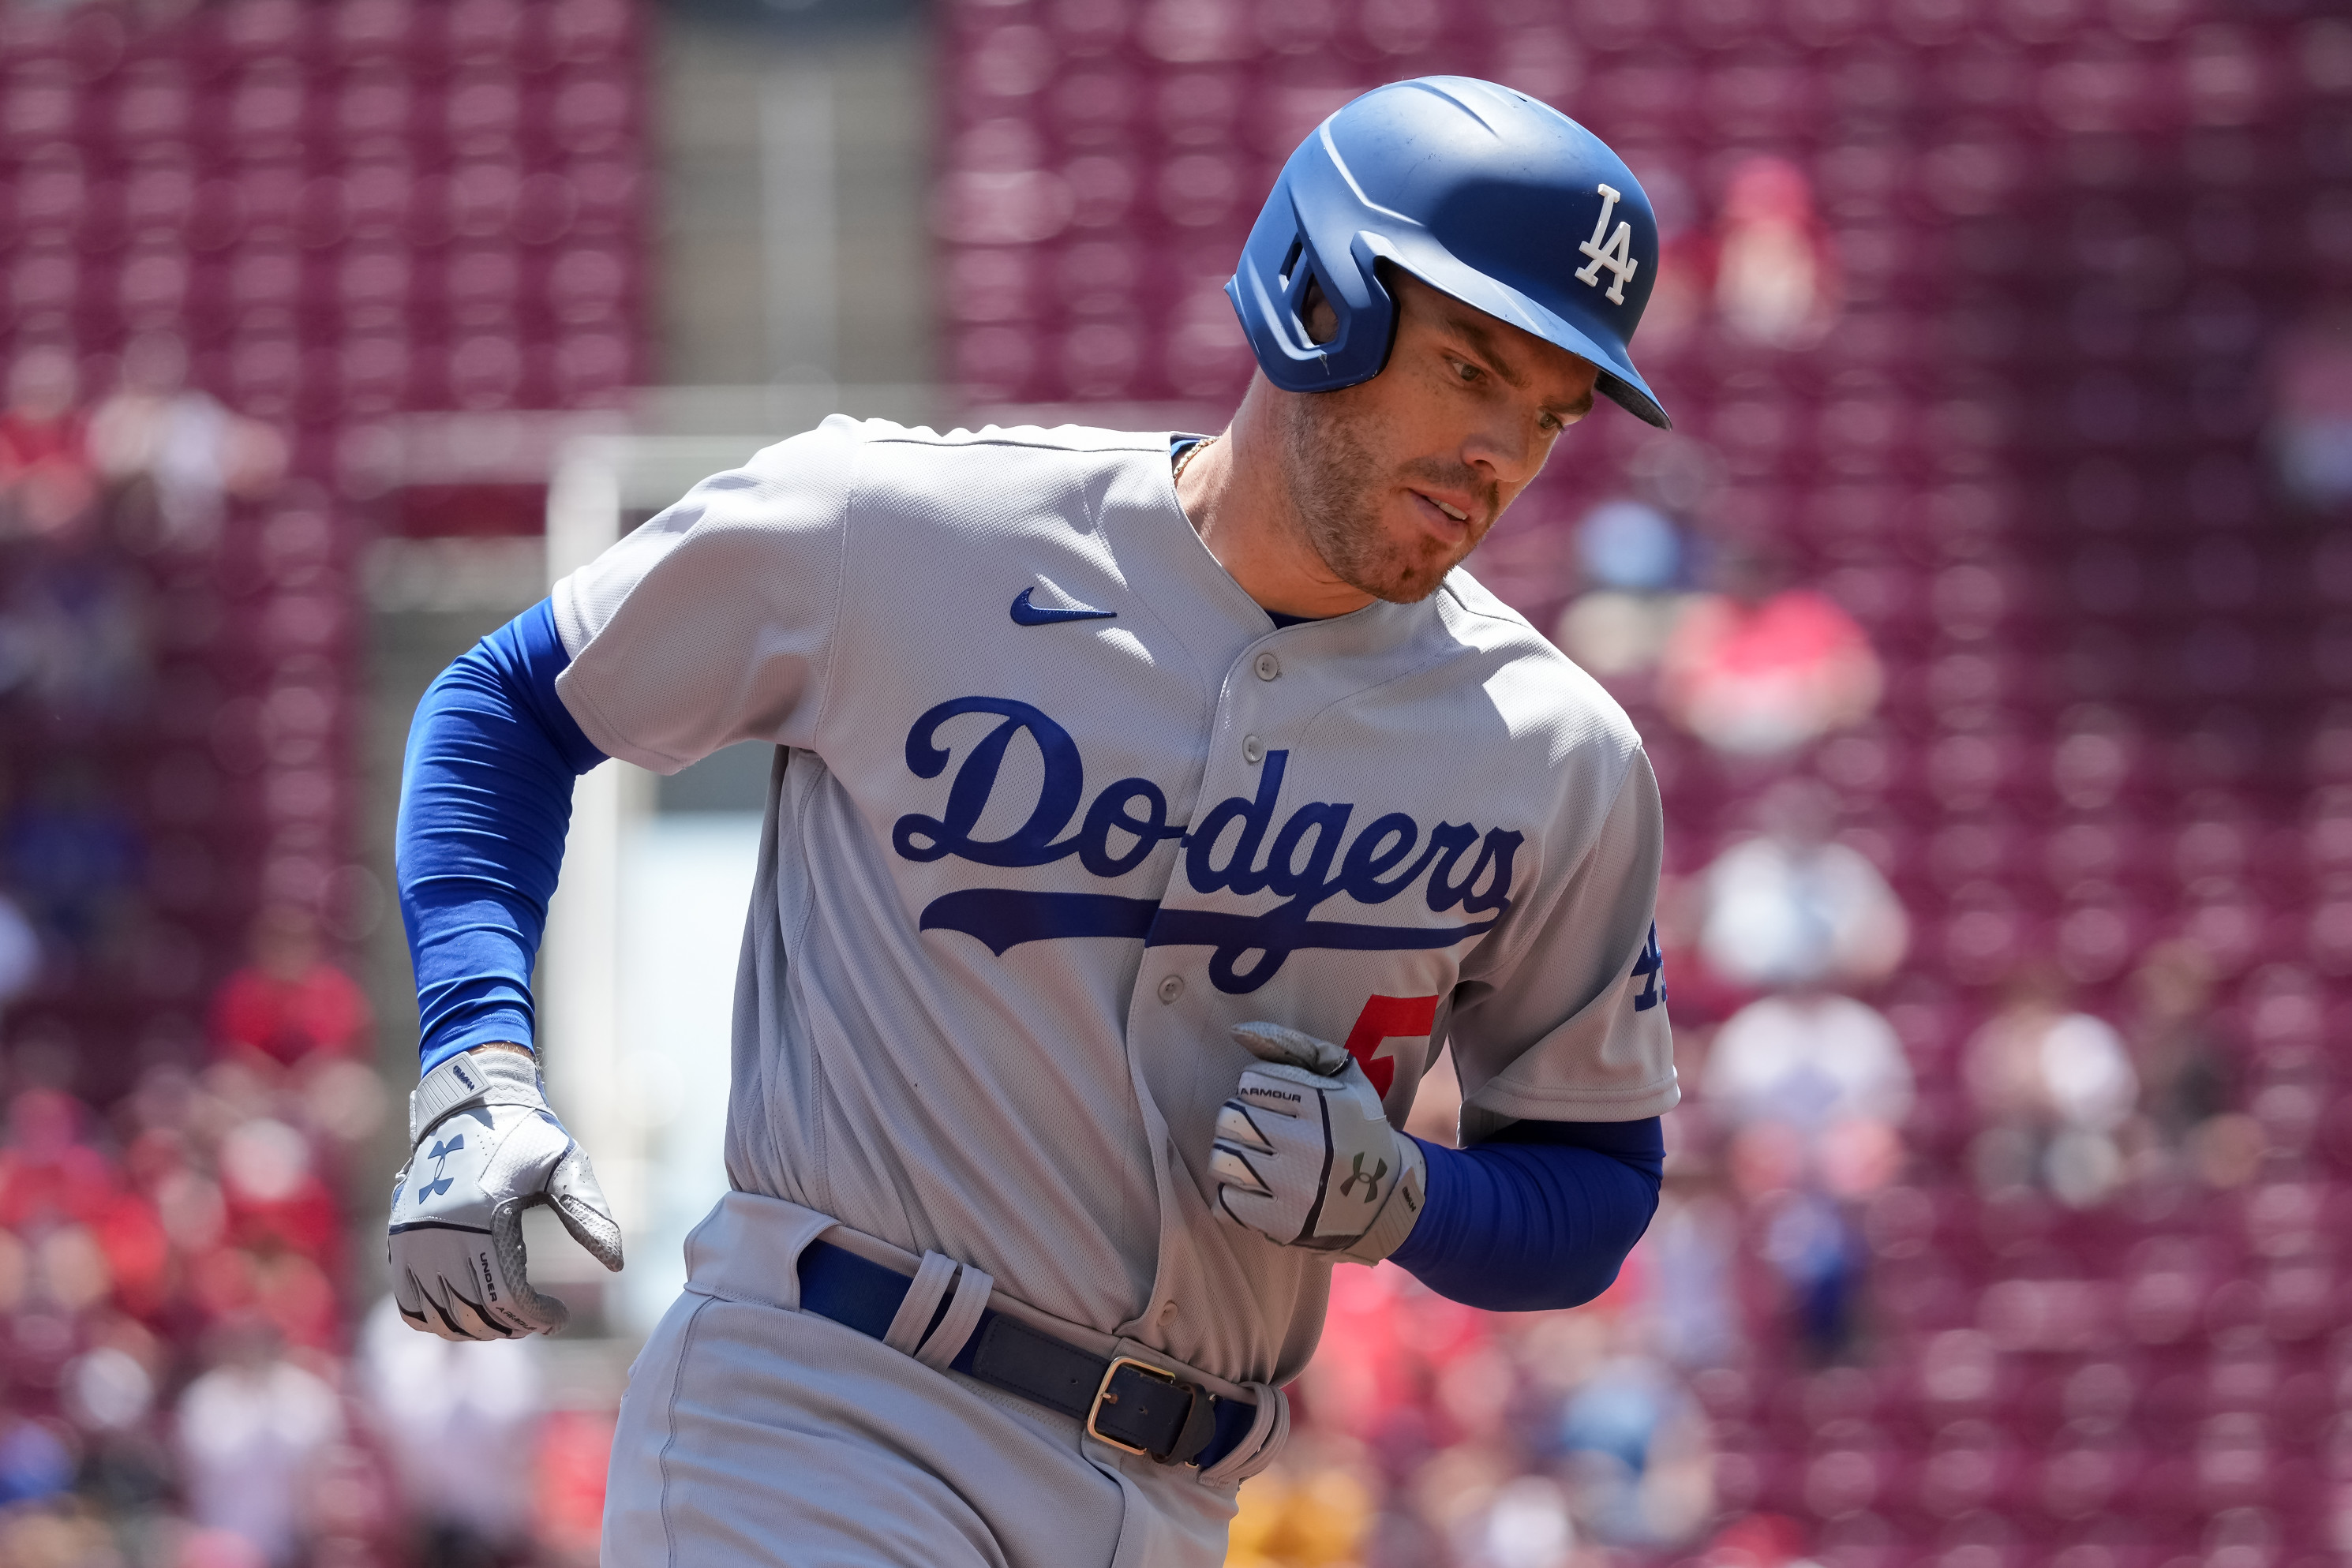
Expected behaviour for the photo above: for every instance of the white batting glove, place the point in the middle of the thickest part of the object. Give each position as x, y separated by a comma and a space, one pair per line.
1305, 1156
486, 1148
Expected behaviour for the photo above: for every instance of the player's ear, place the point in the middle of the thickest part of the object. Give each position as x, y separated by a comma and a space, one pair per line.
1322, 320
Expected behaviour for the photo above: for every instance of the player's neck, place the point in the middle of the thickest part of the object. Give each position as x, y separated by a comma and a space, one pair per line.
1235, 495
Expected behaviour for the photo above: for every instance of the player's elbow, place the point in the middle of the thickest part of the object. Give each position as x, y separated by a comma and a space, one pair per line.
1583, 1282
1570, 1276
1569, 1282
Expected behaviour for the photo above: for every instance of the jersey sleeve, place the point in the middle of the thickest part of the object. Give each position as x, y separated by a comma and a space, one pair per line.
714, 622
1572, 1027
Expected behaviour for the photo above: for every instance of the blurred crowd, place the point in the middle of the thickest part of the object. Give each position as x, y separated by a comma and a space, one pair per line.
190, 1373
93, 491
186, 1378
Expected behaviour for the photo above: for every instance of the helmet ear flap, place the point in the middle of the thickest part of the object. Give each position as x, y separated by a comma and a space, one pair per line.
1304, 277
1292, 281
1300, 283
1281, 267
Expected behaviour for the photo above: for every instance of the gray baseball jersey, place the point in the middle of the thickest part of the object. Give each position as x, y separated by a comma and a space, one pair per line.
1060, 805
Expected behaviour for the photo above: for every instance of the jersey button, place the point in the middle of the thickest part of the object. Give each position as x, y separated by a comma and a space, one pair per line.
1253, 750
1172, 988
1268, 666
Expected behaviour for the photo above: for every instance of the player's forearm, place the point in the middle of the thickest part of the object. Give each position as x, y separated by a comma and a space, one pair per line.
1540, 1217
486, 797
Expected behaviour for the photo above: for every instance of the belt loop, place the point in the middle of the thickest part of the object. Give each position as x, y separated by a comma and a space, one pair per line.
971, 1292
914, 1314
1260, 1445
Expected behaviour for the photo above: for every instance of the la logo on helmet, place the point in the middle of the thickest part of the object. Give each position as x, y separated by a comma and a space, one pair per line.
1617, 256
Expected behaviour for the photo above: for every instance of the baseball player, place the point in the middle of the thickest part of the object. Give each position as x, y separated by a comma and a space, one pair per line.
1147, 811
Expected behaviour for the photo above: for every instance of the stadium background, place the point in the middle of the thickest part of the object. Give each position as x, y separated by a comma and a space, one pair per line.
1989, 616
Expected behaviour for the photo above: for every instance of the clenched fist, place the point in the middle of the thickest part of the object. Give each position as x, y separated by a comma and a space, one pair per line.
486, 1148
1305, 1154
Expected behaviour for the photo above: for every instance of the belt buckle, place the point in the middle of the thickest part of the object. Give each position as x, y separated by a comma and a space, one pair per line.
1103, 1389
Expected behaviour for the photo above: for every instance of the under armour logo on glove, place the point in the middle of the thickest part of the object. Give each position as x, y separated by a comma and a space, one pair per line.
439, 1153
1304, 1131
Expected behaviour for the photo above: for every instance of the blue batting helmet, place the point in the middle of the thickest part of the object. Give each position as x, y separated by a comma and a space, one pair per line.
1500, 200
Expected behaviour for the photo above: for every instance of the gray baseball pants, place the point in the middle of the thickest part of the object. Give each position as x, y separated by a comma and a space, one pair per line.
754, 1433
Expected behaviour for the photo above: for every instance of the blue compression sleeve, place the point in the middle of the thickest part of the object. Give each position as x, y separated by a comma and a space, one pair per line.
485, 798
1540, 1216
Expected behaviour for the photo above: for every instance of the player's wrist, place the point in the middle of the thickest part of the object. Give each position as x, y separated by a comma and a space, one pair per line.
1408, 1197
475, 1077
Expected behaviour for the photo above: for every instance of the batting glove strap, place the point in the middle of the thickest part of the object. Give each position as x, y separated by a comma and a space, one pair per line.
485, 1078
1401, 1212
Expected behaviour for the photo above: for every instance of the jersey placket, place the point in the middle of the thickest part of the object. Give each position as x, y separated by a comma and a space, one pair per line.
1171, 1007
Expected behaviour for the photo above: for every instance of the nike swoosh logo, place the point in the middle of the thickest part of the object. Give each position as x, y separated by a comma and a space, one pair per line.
1027, 614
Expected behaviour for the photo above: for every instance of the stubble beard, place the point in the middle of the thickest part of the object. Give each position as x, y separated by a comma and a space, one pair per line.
1337, 486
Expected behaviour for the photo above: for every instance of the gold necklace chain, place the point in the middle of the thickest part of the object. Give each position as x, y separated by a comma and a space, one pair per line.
1184, 460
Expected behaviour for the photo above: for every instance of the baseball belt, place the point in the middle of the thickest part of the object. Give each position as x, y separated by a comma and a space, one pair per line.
1128, 1404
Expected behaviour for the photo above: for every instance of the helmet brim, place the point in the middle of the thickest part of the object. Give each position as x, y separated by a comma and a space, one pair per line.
1434, 265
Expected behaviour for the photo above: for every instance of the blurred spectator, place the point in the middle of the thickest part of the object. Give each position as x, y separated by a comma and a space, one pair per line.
35, 1461
459, 1422
47, 484
1635, 559
180, 445
110, 1393
575, 1452
288, 1003
2052, 1088
1793, 908
1760, 668
2311, 427
1692, 1246
1813, 1088
2184, 1073
1758, 1541
20, 954
70, 855
291, 1035
1631, 554
251, 1432
286, 1218
74, 632
1678, 293
1636, 1455
1776, 278
1524, 1523
1812, 1245
48, 1175
1301, 1514
1629, 545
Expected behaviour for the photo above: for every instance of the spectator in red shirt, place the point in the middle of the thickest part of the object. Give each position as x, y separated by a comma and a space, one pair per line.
1761, 668
289, 1005
47, 1174
46, 483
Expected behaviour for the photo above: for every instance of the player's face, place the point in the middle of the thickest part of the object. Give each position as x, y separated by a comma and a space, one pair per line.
1397, 479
